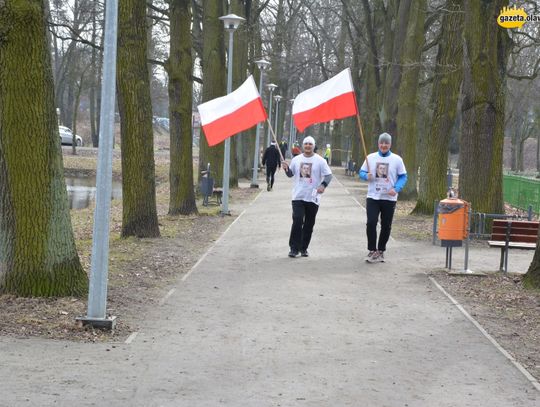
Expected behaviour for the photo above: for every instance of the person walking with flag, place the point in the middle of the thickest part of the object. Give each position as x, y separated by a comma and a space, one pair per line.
388, 179
312, 175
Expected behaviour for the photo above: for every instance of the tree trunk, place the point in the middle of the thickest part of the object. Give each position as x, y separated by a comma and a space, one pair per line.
338, 156
75, 114
241, 156
93, 86
513, 150
445, 95
179, 68
139, 217
485, 58
532, 277
37, 248
408, 95
393, 77
214, 81
538, 154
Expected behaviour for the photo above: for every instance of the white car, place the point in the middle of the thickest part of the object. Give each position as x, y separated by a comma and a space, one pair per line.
66, 136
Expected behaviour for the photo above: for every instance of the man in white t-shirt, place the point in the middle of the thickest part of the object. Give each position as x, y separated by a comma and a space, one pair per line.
387, 176
311, 177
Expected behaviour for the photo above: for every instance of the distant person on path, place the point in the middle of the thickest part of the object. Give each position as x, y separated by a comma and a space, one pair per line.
283, 147
311, 177
328, 154
389, 179
272, 160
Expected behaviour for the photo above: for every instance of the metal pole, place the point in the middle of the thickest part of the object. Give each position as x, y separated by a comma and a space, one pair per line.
466, 267
276, 119
254, 183
269, 118
97, 295
226, 160
449, 180
435, 220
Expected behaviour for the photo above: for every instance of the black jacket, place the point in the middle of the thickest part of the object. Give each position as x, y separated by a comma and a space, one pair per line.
271, 157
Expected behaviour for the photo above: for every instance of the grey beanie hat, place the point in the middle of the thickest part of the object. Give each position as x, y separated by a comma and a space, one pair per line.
385, 138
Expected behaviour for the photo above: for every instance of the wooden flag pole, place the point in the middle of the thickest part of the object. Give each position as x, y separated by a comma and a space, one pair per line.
275, 139
362, 139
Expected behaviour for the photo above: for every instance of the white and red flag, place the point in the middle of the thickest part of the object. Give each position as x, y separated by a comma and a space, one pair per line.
223, 117
331, 100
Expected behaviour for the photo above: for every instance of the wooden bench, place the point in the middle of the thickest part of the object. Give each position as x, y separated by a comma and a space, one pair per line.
513, 234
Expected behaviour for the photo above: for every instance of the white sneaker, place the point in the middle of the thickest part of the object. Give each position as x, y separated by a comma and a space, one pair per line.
370, 255
377, 257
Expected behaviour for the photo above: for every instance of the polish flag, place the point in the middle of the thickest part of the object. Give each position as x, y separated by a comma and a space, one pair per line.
331, 100
228, 115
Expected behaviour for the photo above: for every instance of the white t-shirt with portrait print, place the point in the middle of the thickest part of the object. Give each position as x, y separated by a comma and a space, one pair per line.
386, 171
308, 172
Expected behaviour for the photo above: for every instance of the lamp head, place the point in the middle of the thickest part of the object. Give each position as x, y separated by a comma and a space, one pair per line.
231, 21
271, 87
277, 98
263, 64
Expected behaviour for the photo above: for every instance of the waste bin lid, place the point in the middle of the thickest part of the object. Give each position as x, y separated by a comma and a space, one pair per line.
450, 205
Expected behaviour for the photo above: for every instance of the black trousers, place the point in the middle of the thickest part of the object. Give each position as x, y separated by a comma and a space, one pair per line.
303, 216
270, 171
385, 209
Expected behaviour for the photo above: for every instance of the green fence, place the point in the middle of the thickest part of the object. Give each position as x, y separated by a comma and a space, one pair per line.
522, 192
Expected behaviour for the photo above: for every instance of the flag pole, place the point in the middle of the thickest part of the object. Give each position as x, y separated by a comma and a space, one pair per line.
275, 139
362, 139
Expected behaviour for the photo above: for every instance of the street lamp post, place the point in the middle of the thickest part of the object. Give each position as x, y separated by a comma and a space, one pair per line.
277, 98
271, 87
263, 66
97, 292
231, 22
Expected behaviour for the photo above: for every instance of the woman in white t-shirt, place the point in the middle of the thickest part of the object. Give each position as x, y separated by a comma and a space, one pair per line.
311, 177
389, 179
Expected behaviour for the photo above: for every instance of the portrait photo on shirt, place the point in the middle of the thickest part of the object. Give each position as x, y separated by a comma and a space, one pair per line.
305, 170
381, 170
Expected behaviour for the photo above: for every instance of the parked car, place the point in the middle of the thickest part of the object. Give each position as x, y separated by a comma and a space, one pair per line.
162, 122
66, 136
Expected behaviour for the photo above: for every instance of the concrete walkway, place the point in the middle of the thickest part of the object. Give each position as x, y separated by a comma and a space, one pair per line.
249, 326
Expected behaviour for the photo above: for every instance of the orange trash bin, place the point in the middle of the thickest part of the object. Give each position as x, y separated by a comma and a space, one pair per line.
453, 221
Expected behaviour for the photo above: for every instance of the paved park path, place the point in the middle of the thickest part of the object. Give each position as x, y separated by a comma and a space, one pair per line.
249, 326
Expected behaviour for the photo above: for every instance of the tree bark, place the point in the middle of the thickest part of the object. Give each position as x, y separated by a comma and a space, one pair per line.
139, 217
179, 68
532, 277
241, 156
37, 248
408, 95
214, 82
444, 98
485, 58
393, 76
338, 155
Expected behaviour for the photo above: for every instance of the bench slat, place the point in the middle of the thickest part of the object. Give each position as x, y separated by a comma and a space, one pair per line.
513, 245
516, 223
515, 238
515, 231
